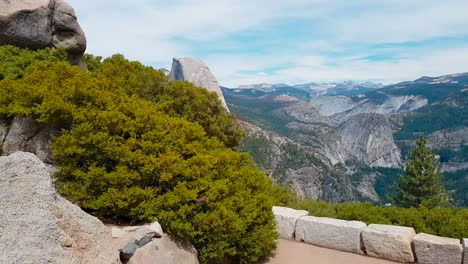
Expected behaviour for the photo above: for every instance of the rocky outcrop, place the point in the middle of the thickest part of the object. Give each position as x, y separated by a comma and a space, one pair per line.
39, 226
148, 244
25, 134
366, 187
41, 24
286, 220
287, 162
368, 138
431, 249
196, 72
389, 242
330, 233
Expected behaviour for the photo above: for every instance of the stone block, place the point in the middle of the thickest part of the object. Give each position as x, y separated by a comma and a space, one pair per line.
465, 250
431, 249
286, 219
389, 242
330, 233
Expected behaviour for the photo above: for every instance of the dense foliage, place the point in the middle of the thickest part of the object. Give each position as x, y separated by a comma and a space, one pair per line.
422, 184
442, 116
139, 148
446, 222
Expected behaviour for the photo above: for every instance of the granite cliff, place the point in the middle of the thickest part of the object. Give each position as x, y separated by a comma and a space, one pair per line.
196, 72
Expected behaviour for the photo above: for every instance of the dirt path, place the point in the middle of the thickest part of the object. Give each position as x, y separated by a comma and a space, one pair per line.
290, 252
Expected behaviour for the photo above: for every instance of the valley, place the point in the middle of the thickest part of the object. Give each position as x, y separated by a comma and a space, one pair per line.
349, 141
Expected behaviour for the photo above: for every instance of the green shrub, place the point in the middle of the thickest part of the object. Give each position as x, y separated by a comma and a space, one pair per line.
447, 222
138, 148
14, 61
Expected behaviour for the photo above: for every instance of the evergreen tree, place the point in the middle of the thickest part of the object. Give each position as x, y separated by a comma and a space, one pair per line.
422, 184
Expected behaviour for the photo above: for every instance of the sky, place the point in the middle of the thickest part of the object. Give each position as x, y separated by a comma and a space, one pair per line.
285, 41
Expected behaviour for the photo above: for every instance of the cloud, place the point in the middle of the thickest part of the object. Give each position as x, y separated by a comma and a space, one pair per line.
289, 41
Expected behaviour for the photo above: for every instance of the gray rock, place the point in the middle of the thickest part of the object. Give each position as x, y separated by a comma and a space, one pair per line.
330, 233
38, 226
367, 137
25, 134
165, 251
41, 24
431, 249
4, 127
117, 232
196, 72
389, 242
156, 227
129, 250
286, 220
144, 235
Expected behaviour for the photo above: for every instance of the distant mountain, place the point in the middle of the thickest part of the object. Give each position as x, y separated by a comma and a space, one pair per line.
339, 88
348, 141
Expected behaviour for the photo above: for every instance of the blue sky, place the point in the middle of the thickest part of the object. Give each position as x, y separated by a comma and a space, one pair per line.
285, 41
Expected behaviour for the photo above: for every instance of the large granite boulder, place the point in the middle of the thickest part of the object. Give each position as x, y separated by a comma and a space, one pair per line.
196, 72
431, 249
286, 220
38, 24
25, 134
330, 233
39, 226
148, 244
389, 242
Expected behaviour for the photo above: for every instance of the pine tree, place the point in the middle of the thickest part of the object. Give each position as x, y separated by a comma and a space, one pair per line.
422, 184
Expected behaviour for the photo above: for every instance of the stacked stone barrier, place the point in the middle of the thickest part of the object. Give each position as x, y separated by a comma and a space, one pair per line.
396, 243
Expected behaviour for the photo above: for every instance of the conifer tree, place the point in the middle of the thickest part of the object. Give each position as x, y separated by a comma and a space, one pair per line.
422, 184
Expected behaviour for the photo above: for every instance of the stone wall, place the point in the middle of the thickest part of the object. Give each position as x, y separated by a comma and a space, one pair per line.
396, 243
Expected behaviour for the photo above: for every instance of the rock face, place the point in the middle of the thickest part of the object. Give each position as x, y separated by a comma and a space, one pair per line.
286, 220
431, 249
39, 226
369, 138
330, 233
38, 24
196, 72
389, 242
165, 251
25, 134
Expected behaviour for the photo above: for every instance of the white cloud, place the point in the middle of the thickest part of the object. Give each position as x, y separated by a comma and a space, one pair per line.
154, 32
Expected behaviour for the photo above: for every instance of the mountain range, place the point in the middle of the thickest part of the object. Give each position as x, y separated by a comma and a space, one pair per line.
349, 141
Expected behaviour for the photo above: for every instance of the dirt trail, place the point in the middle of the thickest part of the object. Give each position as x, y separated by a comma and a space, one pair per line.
290, 252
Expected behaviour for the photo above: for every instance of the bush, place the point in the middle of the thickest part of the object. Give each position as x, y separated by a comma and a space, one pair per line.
447, 222
138, 148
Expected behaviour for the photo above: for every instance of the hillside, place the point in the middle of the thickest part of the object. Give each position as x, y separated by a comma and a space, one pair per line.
362, 132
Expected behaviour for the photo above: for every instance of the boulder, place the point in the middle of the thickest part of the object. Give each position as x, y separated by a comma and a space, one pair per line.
330, 233
431, 249
196, 72
389, 242
41, 24
25, 134
146, 244
286, 220
165, 251
4, 127
39, 226
129, 250
117, 232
